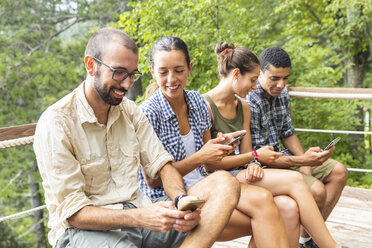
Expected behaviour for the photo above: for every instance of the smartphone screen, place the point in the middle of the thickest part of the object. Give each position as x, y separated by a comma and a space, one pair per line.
333, 142
236, 139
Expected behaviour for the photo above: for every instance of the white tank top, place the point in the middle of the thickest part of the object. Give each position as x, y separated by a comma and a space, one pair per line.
193, 176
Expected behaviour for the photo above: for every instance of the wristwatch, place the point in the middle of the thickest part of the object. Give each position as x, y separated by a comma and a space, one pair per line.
177, 199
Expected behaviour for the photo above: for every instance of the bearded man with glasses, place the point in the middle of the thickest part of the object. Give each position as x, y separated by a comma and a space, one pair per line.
89, 146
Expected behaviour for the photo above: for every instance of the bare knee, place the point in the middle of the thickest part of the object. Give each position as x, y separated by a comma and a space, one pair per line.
257, 197
223, 183
319, 193
339, 175
288, 208
296, 183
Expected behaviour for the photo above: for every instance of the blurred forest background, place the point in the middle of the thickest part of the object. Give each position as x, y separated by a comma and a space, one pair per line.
41, 59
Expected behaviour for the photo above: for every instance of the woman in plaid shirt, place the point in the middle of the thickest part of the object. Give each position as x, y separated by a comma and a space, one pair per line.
182, 122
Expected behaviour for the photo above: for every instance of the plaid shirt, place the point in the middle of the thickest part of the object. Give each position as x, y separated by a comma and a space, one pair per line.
270, 118
165, 123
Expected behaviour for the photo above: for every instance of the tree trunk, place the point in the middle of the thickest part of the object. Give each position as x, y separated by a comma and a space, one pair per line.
35, 197
354, 79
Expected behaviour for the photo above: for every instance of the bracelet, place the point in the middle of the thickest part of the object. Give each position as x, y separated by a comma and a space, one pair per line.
254, 161
254, 154
177, 199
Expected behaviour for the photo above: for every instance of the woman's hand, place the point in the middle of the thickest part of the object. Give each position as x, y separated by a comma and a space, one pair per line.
253, 173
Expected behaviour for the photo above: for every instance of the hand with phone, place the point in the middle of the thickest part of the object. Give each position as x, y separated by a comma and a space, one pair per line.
236, 139
315, 156
190, 205
213, 151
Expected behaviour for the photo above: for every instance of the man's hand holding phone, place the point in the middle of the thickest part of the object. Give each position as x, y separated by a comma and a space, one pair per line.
192, 206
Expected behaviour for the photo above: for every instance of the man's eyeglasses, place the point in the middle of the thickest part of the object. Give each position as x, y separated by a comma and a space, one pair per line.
120, 75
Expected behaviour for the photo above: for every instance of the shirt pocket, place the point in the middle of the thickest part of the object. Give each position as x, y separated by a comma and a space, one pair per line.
125, 170
96, 175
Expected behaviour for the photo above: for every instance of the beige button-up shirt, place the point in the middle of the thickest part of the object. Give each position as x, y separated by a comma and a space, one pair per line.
83, 162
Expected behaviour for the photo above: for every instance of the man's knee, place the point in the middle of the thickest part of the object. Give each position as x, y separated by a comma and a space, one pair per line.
338, 174
319, 193
220, 183
223, 181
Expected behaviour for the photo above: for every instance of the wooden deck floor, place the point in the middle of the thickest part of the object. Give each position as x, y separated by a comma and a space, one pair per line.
350, 222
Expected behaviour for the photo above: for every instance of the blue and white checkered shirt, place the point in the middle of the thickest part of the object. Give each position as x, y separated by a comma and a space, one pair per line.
270, 118
165, 123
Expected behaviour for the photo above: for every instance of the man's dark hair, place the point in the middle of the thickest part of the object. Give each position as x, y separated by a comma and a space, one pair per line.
275, 56
97, 43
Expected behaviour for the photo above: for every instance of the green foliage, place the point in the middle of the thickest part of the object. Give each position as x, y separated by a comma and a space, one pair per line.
201, 24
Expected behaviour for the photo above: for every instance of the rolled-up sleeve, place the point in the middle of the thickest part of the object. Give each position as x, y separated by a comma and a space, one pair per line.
62, 177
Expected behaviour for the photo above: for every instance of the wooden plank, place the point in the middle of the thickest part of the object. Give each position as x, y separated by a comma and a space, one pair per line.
350, 222
8, 133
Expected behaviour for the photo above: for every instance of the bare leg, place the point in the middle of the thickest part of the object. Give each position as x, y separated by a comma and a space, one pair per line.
291, 183
256, 212
289, 211
221, 192
328, 193
334, 184
318, 191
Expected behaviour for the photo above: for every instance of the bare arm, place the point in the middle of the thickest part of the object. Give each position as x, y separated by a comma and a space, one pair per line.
159, 217
245, 148
94, 218
172, 181
211, 152
312, 157
294, 145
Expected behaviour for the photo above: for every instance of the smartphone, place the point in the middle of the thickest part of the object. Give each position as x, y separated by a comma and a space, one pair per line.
285, 150
192, 205
236, 139
333, 142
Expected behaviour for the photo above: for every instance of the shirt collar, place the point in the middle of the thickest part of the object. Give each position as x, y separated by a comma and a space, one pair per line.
164, 104
191, 103
86, 112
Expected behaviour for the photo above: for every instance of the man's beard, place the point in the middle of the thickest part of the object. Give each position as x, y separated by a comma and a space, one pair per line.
105, 93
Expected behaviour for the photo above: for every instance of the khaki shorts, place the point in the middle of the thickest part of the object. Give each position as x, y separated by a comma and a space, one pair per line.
318, 172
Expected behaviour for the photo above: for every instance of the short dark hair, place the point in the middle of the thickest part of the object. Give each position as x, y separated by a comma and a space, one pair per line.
275, 56
102, 37
169, 43
231, 57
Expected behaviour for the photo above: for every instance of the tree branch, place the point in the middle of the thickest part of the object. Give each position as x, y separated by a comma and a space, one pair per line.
59, 32
308, 7
47, 41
